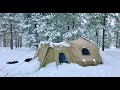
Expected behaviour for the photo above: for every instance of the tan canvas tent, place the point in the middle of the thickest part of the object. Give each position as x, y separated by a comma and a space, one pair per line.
80, 51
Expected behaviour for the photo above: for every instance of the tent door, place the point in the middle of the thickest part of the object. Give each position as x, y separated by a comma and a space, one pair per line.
62, 58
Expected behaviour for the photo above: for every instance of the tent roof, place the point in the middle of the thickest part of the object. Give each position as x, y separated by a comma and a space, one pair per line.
82, 42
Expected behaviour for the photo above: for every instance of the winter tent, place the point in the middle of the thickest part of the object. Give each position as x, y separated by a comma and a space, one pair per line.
80, 51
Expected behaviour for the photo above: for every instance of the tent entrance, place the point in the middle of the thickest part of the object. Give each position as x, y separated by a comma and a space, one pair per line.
62, 58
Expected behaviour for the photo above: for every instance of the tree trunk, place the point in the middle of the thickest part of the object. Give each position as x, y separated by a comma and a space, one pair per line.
104, 24
4, 39
73, 22
16, 39
73, 25
117, 34
117, 39
68, 27
11, 37
16, 42
119, 43
103, 39
97, 37
20, 41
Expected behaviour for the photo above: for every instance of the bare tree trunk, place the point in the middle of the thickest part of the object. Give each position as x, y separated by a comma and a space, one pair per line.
119, 43
104, 24
73, 22
11, 36
16, 39
20, 41
4, 39
68, 27
97, 37
103, 39
16, 43
117, 34
73, 26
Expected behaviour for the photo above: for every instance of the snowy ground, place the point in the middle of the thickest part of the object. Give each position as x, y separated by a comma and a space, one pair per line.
110, 68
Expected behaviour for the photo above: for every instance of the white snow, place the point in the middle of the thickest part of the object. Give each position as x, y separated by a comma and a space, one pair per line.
109, 68
25, 26
61, 44
64, 43
42, 43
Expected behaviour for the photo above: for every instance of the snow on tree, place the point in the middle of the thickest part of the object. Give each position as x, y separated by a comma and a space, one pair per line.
29, 29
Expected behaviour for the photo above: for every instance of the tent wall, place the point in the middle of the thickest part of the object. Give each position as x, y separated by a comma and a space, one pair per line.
65, 51
50, 57
42, 52
77, 52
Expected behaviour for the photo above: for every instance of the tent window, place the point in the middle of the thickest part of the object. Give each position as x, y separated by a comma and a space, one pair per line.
85, 51
62, 58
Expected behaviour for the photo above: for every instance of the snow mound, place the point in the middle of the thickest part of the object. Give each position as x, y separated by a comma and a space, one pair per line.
51, 44
42, 43
61, 44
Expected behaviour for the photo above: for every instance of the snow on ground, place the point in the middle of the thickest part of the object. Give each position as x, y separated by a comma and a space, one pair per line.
109, 68
7, 55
